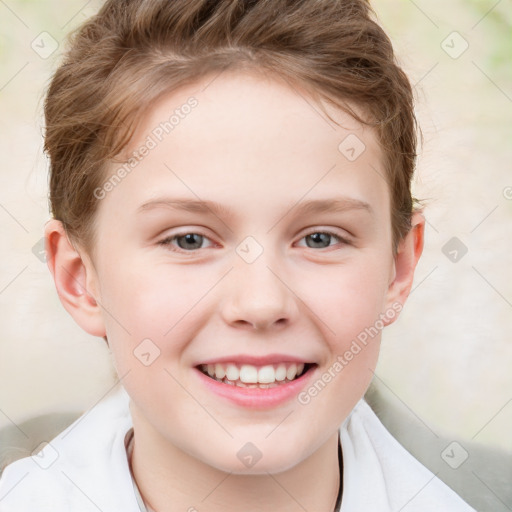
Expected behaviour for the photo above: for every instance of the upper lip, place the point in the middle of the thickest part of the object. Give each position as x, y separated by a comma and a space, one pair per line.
256, 360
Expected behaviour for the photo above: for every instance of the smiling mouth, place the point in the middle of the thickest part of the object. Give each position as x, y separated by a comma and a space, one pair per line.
250, 376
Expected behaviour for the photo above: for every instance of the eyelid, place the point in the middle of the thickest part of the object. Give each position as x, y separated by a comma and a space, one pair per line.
318, 229
166, 241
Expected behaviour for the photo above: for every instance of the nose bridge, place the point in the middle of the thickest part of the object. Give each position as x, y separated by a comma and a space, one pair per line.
258, 294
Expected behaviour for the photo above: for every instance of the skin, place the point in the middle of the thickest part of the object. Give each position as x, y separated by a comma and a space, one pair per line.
260, 158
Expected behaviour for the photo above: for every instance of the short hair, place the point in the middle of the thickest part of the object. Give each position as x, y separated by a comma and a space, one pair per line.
133, 51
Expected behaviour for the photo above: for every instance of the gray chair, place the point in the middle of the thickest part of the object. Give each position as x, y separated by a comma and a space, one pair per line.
482, 476
20, 441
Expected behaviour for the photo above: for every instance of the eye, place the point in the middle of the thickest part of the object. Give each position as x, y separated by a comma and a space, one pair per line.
187, 242
322, 239
191, 241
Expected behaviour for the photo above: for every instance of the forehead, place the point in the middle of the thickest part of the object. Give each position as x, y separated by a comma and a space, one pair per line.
243, 131
248, 103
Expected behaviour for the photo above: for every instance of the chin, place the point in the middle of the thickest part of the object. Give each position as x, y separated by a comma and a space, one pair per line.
249, 460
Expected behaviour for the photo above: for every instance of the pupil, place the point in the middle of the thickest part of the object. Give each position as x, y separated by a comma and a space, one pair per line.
189, 239
318, 238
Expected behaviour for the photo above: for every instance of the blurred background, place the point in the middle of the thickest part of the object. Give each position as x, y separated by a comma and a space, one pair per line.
448, 359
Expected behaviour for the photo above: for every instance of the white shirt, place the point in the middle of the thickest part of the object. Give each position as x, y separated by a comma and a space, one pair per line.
85, 469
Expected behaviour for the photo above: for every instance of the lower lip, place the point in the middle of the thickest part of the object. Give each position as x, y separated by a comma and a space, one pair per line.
257, 398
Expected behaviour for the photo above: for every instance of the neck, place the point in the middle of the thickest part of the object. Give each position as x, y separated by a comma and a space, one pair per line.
170, 479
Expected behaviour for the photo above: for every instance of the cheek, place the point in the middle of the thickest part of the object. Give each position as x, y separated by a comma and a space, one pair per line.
349, 304
348, 299
150, 298
152, 308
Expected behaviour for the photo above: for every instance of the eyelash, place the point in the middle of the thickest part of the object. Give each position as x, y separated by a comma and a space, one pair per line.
166, 242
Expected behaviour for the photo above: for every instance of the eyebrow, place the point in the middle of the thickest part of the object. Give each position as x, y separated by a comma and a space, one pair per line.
210, 207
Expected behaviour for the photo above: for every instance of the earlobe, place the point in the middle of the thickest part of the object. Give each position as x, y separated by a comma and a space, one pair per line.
70, 274
406, 259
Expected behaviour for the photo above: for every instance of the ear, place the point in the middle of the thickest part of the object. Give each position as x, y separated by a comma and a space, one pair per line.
405, 261
74, 278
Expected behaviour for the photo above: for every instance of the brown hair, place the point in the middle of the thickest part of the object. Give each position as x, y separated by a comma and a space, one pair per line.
133, 51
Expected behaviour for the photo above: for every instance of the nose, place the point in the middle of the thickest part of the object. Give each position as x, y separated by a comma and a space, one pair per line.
258, 296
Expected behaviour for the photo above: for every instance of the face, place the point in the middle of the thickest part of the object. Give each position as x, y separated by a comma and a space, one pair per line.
253, 238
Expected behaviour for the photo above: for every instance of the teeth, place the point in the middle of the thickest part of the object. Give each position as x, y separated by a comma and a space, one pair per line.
266, 374
291, 371
232, 372
248, 375
220, 372
280, 372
